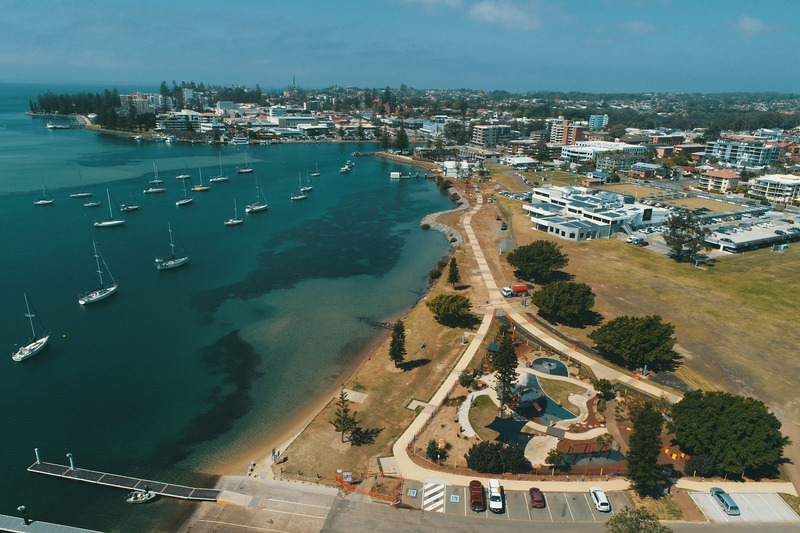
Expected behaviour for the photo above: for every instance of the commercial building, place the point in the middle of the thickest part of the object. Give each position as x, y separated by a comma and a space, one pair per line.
617, 162
491, 135
777, 187
589, 150
719, 180
644, 171
578, 213
743, 151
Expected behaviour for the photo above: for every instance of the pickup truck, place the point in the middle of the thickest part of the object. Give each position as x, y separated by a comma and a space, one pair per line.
514, 290
476, 500
495, 496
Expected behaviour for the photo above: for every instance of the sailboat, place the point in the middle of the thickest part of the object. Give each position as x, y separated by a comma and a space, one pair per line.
235, 221
155, 182
201, 187
300, 195
246, 169
260, 204
308, 187
102, 292
110, 221
172, 262
36, 343
316, 173
133, 206
220, 176
92, 203
46, 198
83, 193
186, 200
183, 175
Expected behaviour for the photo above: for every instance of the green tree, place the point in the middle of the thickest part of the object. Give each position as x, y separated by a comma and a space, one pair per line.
604, 388
645, 446
537, 260
513, 459
504, 363
384, 139
637, 341
739, 434
564, 301
630, 520
397, 346
432, 450
616, 131
343, 420
401, 138
453, 275
555, 457
540, 151
450, 308
484, 457
684, 235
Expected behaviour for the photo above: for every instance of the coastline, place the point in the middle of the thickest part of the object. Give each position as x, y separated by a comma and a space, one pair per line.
287, 432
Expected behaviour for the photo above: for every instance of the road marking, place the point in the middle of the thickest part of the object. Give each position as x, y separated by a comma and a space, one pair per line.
298, 503
528, 507
591, 505
267, 510
548, 510
433, 497
240, 525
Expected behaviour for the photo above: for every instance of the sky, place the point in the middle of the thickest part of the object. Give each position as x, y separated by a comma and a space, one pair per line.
514, 45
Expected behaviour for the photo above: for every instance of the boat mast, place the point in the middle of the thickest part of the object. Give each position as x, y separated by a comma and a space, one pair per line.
110, 212
171, 245
29, 315
97, 260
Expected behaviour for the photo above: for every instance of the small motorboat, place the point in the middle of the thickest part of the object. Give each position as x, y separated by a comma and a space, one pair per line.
141, 496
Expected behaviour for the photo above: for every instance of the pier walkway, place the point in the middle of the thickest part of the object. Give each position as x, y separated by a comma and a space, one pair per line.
16, 524
125, 482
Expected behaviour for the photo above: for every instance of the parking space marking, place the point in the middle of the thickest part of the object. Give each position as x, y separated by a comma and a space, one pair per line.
433, 497
566, 500
529, 510
548, 510
590, 505
466, 496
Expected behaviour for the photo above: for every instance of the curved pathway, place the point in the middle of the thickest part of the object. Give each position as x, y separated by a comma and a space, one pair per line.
410, 470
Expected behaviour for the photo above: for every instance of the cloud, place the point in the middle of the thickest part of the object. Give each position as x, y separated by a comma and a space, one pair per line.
430, 6
506, 14
638, 27
750, 25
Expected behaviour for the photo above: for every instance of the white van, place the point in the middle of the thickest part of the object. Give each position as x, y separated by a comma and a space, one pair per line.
495, 496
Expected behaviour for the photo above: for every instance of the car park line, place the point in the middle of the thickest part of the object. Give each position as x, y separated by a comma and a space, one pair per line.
566, 502
591, 506
529, 512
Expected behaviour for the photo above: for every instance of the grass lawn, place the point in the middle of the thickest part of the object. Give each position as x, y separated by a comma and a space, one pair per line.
791, 500
663, 508
481, 414
560, 391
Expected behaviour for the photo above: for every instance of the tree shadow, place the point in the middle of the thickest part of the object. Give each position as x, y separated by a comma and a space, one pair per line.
461, 287
558, 275
405, 366
589, 318
467, 321
361, 437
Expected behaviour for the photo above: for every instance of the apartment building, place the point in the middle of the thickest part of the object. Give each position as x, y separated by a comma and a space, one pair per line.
743, 151
781, 188
719, 180
598, 122
609, 163
491, 135
566, 132
589, 150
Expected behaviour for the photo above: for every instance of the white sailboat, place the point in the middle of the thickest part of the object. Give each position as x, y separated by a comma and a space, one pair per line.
246, 169
83, 193
172, 262
133, 206
36, 343
316, 173
110, 221
260, 203
102, 292
92, 203
201, 187
308, 187
183, 175
155, 183
186, 200
156, 180
220, 176
46, 198
235, 221
300, 195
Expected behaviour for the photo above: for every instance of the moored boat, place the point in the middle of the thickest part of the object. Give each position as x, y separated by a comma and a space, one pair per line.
141, 496
260, 203
235, 221
172, 262
102, 292
36, 343
110, 221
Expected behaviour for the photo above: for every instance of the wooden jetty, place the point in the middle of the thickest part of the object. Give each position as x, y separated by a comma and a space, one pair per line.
124, 482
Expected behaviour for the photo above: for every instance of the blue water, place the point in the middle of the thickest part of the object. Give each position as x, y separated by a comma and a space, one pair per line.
183, 370
552, 411
559, 370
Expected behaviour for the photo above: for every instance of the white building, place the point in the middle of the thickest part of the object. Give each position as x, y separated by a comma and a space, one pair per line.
777, 187
491, 135
578, 213
588, 150
743, 151
598, 122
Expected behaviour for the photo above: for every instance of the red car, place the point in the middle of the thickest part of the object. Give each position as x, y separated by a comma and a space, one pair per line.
537, 498
476, 499
643, 243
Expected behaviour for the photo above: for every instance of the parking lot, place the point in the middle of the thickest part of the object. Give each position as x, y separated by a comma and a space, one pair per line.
560, 506
754, 507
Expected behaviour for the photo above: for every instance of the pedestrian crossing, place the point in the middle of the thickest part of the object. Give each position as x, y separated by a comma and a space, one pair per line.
433, 497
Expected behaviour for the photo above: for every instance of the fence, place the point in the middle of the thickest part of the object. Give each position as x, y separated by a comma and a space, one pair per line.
394, 499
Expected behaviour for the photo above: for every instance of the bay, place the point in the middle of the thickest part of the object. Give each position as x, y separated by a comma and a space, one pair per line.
182, 371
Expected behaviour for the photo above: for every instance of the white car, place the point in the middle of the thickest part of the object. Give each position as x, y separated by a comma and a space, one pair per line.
600, 500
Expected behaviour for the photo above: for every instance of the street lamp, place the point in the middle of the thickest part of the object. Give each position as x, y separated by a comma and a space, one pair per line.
24, 512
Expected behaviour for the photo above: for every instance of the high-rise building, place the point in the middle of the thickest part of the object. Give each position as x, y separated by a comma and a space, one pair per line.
598, 122
491, 135
743, 151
